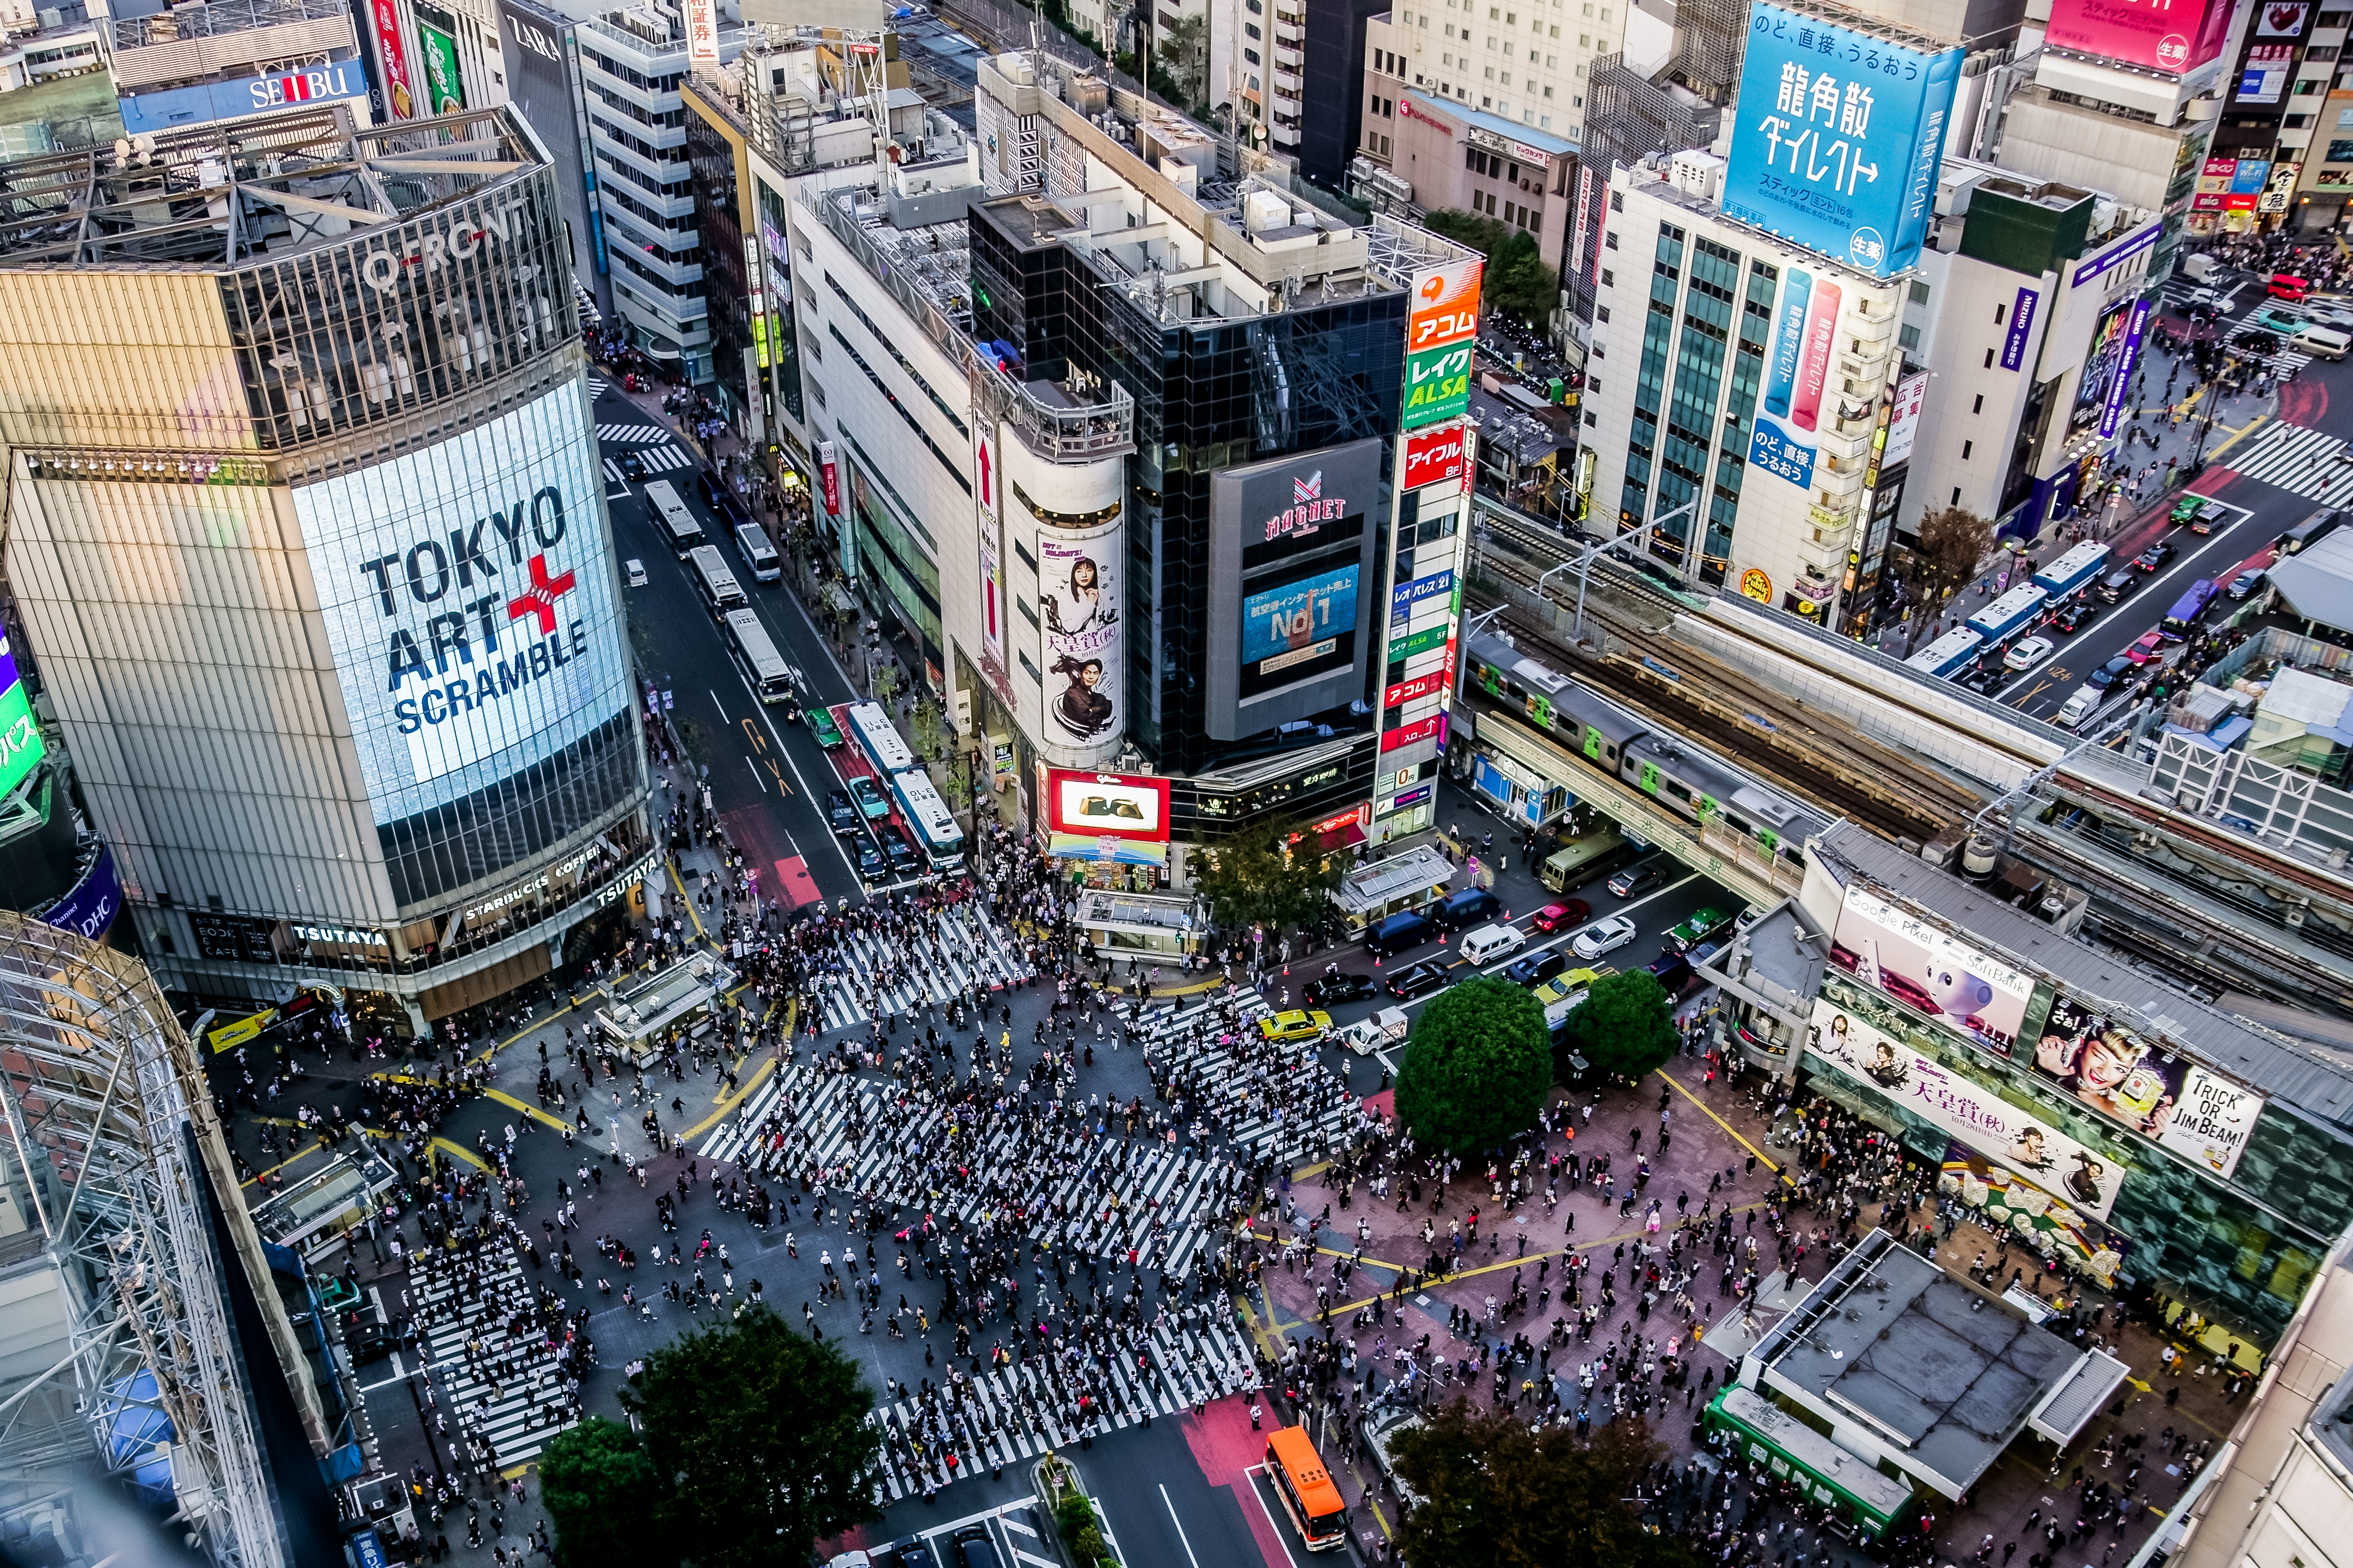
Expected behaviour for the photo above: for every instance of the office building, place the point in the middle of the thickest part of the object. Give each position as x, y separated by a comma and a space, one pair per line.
1424, 153
539, 49
307, 532
193, 64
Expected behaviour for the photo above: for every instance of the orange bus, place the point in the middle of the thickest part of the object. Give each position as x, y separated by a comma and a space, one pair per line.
1309, 1494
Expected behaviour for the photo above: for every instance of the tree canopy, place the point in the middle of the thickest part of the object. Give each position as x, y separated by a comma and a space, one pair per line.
600, 1490
1953, 540
1477, 1066
1496, 1493
762, 1436
1255, 875
1518, 283
1625, 1027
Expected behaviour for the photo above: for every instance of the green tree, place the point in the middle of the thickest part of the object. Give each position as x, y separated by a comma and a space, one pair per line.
764, 1435
1185, 58
1477, 1066
1496, 1492
1953, 540
1625, 1027
1518, 283
1257, 875
600, 1490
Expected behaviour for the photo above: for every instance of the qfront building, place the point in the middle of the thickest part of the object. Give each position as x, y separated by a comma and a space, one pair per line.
309, 538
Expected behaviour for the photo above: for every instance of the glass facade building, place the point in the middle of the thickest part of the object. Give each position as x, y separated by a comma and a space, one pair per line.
305, 518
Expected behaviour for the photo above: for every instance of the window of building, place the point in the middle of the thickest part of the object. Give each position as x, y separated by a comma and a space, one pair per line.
1967, 447
1249, 30
1608, 277
1616, 200
1978, 405
1989, 359
1908, 338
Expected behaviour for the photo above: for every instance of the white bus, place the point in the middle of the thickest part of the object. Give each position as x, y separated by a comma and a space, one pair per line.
756, 653
678, 524
871, 728
713, 580
928, 818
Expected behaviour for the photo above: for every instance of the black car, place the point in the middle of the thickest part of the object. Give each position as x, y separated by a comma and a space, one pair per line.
871, 867
974, 1548
901, 854
1416, 978
1672, 971
1536, 967
2072, 615
2106, 675
366, 1335
1636, 879
2155, 556
632, 467
1334, 989
841, 812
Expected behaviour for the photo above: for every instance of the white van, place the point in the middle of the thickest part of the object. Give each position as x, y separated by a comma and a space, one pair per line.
2078, 708
2321, 342
1488, 943
758, 553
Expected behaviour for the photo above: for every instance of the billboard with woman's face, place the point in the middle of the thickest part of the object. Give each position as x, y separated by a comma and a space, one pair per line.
2196, 1112
1077, 592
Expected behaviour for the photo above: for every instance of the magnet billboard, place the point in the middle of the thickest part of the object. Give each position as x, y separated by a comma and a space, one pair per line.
1783, 439
1837, 138
2175, 37
468, 596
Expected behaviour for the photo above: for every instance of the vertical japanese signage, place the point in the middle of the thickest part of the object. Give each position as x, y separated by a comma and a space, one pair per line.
1797, 368
2112, 413
2022, 328
1443, 324
1837, 140
701, 37
437, 44
400, 95
992, 543
828, 469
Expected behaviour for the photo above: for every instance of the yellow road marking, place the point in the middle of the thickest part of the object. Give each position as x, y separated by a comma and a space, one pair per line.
533, 1111
463, 1153
730, 1103
1770, 1162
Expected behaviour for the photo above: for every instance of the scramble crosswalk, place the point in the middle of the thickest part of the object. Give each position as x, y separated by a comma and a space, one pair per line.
1192, 1035
2305, 461
1016, 1411
661, 459
963, 947
1095, 1195
642, 434
511, 1394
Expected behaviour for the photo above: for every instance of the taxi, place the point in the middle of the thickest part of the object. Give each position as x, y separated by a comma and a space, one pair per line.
1295, 1025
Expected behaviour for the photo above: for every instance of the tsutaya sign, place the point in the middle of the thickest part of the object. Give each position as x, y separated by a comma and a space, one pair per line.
383, 270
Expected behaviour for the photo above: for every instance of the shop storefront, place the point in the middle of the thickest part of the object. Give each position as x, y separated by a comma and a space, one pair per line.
1140, 928
1525, 775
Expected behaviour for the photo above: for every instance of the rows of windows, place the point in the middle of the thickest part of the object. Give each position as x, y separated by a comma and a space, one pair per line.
892, 398
890, 348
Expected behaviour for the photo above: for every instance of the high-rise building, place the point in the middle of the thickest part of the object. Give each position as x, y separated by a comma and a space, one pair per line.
186, 66
308, 534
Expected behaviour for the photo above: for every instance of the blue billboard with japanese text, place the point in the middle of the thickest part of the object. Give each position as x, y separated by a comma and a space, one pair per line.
1837, 138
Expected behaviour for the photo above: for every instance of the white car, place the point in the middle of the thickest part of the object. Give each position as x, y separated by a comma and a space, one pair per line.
1603, 935
2028, 654
636, 572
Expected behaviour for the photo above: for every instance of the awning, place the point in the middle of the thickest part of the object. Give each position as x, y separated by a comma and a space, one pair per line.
2078, 1397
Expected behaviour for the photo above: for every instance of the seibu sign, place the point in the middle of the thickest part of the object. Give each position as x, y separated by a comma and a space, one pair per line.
1433, 457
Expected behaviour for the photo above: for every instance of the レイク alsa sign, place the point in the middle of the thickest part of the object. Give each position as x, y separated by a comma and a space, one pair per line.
1837, 138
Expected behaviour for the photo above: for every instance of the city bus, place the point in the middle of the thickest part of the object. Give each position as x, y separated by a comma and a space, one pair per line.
2187, 611
678, 524
721, 592
1308, 1492
2010, 615
756, 656
929, 820
1948, 655
878, 738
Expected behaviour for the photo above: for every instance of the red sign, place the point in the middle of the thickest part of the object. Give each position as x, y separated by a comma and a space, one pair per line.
1107, 806
2172, 36
1419, 686
1329, 823
1445, 306
1412, 110
1433, 457
830, 478
388, 47
1430, 728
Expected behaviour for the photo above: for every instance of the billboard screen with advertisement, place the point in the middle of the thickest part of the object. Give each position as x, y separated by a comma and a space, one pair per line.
1117, 805
1437, 385
1298, 623
1433, 457
1797, 371
1927, 969
2175, 37
1973, 1114
1904, 420
468, 597
399, 90
2263, 79
21, 746
1079, 635
205, 101
2100, 362
437, 47
2198, 1113
1445, 307
1837, 139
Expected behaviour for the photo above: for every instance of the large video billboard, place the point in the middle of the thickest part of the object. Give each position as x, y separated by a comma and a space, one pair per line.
1078, 601
1929, 970
21, 746
1119, 806
1837, 139
2175, 37
1298, 623
468, 599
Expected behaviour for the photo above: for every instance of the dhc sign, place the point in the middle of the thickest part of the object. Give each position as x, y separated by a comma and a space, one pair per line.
244, 95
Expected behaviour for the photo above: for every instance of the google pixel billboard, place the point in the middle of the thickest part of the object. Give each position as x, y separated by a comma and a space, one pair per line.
1837, 138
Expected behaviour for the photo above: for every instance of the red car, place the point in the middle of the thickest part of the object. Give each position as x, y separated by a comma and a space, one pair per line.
1552, 917
2145, 649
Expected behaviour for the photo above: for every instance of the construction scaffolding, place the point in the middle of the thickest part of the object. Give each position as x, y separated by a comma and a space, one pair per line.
111, 1132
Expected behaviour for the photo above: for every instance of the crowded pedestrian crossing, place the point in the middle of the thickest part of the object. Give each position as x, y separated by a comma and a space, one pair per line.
1018, 1410
1297, 1108
2292, 458
661, 459
882, 977
1084, 1191
504, 1388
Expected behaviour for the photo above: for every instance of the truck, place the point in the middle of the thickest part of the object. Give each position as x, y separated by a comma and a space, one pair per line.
2071, 571
1579, 858
1387, 1028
